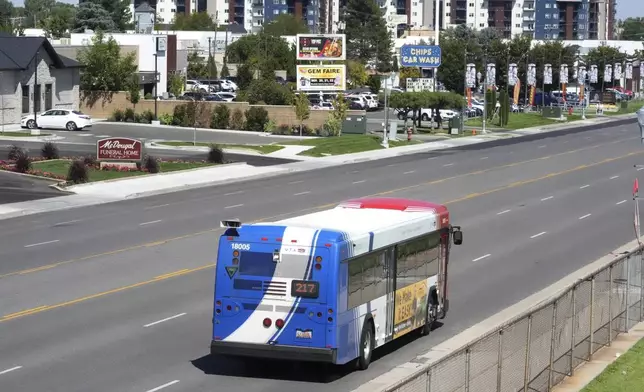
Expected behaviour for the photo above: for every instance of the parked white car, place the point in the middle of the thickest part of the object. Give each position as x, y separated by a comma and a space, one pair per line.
194, 85
70, 120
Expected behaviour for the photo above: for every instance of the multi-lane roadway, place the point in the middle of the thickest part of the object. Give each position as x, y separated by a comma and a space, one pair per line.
118, 297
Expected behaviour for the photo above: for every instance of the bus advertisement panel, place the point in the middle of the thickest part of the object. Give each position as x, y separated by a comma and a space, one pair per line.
411, 308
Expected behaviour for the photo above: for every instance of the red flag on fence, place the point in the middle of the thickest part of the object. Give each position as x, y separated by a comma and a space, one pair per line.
636, 187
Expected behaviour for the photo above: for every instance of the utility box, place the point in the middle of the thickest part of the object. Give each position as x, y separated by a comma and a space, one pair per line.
355, 125
456, 125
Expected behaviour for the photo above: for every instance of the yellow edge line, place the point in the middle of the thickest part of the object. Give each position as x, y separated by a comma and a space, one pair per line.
189, 235
44, 308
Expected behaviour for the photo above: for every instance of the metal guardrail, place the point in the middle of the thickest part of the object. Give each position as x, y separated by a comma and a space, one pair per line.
537, 350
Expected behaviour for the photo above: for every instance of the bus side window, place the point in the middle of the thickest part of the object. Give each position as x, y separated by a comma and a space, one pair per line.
367, 280
417, 259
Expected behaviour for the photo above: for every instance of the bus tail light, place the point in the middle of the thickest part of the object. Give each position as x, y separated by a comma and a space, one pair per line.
267, 322
279, 323
218, 303
318, 267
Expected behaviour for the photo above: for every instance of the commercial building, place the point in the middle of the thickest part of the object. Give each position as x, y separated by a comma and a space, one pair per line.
574, 19
35, 78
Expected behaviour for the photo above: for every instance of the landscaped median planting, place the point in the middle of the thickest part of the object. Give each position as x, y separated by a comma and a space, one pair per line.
262, 149
346, 144
78, 170
625, 374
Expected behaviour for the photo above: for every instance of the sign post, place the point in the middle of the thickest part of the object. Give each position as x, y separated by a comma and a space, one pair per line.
119, 151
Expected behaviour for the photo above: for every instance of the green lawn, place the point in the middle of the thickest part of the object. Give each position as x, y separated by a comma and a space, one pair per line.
61, 167
626, 374
633, 106
263, 149
22, 134
523, 120
345, 144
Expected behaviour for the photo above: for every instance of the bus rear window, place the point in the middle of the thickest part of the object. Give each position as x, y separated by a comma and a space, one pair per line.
256, 264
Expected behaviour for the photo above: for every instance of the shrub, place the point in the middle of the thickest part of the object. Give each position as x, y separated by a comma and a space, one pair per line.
14, 153
306, 130
138, 118
270, 126
89, 161
23, 163
150, 164
49, 151
118, 115
129, 115
282, 129
237, 120
179, 114
323, 132
77, 173
148, 116
148, 96
166, 119
220, 117
256, 119
216, 154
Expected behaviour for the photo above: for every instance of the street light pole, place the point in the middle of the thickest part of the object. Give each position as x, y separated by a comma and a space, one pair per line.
156, 86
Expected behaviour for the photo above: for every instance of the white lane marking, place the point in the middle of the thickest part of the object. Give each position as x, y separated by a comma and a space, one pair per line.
482, 257
102, 136
394, 164
67, 222
640, 168
565, 141
41, 243
157, 206
409, 172
620, 202
10, 370
301, 193
233, 206
503, 212
542, 146
484, 158
429, 159
354, 172
613, 177
547, 198
84, 134
233, 193
538, 235
359, 182
448, 164
585, 216
584, 186
296, 182
163, 386
150, 222
164, 320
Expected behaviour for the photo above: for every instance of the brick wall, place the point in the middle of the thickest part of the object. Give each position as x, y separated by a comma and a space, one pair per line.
103, 107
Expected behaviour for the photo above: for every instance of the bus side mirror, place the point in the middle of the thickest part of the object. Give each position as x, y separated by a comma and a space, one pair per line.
458, 237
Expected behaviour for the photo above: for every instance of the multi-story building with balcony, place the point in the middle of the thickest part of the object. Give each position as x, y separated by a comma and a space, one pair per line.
575, 19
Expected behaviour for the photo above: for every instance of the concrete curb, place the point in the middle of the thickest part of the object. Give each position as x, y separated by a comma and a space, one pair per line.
231, 131
246, 151
400, 374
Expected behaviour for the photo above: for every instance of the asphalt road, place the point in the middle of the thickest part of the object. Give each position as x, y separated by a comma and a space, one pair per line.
71, 150
118, 297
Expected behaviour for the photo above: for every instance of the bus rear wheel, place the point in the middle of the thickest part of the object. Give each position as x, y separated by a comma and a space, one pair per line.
366, 345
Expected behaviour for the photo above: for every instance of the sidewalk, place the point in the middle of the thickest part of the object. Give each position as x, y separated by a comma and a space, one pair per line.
601, 360
114, 190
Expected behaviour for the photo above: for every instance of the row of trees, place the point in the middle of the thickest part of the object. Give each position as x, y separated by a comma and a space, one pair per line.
462, 45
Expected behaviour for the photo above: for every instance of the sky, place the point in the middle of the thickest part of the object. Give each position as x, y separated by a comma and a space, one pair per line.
625, 8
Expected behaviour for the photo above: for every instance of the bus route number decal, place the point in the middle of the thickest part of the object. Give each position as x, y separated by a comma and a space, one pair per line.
237, 246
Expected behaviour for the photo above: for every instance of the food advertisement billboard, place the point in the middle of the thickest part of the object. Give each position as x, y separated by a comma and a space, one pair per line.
321, 77
326, 47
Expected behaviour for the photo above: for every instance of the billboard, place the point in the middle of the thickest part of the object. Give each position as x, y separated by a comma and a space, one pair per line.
321, 77
321, 47
119, 148
423, 56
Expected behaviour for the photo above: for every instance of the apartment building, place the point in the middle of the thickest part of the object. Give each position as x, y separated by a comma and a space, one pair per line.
575, 19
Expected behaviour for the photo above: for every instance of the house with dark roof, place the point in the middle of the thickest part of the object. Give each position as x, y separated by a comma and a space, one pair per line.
34, 78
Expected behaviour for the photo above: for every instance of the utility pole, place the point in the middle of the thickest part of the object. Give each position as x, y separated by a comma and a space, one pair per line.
483, 131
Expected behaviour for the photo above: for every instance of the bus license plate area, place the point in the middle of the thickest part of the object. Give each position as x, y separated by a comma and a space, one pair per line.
305, 288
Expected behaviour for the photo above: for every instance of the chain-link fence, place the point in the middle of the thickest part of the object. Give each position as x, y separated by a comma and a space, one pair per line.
537, 350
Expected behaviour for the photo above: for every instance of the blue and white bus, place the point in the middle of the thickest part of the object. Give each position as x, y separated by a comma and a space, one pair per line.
333, 285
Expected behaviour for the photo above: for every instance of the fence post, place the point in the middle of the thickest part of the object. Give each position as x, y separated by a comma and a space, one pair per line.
429, 380
641, 286
610, 305
592, 316
467, 370
552, 344
572, 331
628, 291
526, 374
500, 362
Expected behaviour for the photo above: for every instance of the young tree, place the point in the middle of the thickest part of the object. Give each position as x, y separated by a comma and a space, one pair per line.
39, 10
134, 91
105, 68
211, 67
367, 37
302, 109
374, 83
357, 74
197, 68
176, 84
244, 76
339, 114
60, 21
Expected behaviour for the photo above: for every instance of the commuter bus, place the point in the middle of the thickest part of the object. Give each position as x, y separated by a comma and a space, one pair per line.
333, 285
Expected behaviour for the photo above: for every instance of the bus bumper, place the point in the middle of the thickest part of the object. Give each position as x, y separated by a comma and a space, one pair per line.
269, 351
